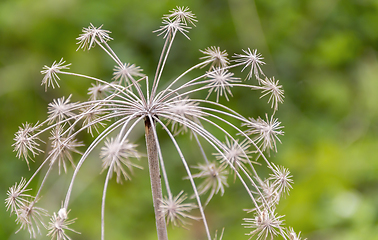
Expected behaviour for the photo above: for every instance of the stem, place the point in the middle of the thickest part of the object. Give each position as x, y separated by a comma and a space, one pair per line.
153, 163
103, 201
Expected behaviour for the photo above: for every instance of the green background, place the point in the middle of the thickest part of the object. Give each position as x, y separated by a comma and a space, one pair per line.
323, 52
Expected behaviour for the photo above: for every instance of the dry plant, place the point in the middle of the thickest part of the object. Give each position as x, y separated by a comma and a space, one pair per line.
129, 99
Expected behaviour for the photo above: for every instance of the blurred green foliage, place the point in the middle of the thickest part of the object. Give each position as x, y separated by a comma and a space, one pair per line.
323, 52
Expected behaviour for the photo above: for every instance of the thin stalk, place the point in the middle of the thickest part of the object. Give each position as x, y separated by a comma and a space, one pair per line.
103, 200
153, 164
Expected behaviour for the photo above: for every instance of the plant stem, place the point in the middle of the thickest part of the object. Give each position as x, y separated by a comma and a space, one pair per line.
153, 164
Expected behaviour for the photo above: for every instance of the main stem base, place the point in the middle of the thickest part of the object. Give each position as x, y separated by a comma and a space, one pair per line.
153, 164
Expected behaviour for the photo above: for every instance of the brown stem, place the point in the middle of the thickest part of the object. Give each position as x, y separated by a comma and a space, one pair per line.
153, 163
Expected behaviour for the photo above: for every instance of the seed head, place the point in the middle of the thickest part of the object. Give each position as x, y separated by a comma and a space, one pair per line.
267, 131
98, 91
58, 225
126, 72
175, 210
181, 112
26, 141
62, 148
253, 59
271, 87
51, 73
117, 153
30, 217
266, 225
281, 179
170, 27
61, 109
215, 179
91, 36
217, 57
92, 118
17, 197
235, 154
220, 82
183, 15
293, 235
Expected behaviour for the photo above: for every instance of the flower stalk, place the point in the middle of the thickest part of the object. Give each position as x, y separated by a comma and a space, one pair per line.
155, 177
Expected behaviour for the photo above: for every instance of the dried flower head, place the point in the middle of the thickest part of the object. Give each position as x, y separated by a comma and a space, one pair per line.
253, 59
267, 131
170, 28
61, 109
98, 91
182, 14
30, 217
266, 225
271, 87
51, 73
126, 72
175, 210
62, 148
281, 179
92, 35
17, 197
215, 56
92, 118
117, 153
235, 154
180, 113
215, 179
270, 196
26, 142
59, 224
220, 81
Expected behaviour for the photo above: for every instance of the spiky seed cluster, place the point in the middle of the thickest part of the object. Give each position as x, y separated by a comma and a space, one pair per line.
235, 154
171, 27
26, 142
126, 72
266, 225
131, 99
180, 111
276, 94
59, 224
266, 132
220, 81
183, 15
214, 179
62, 148
98, 91
251, 59
177, 21
216, 57
175, 210
117, 153
60, 109
17, 197
91, 36
92, 118
30, 217
51, 73
281, 179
